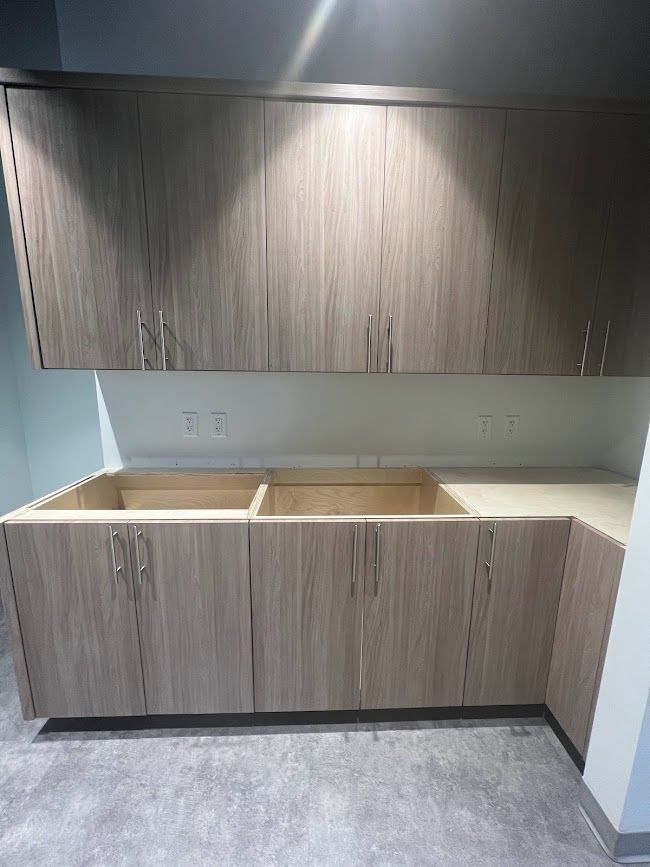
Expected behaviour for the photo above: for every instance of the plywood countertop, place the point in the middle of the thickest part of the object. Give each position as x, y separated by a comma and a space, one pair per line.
599, 498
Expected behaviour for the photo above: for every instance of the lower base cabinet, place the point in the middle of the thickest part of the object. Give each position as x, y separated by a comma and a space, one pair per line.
517, 587
417, 606
591, 577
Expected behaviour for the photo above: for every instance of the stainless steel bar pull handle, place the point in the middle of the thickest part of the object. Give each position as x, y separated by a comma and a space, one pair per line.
602, 360
355, 537
143, 359
369, 345
116, 569
161, 323
389, 362
377, 531
582, 363
488, 565
136, 544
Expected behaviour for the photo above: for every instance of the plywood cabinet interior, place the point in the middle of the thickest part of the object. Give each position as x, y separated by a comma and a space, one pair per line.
324, 180
556, 186
440, 211
203, 162
516, 591
417, 606
78, 622
194, 616
307, 598
77, 159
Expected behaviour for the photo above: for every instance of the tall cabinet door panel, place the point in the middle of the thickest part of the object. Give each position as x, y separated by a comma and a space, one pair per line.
591, 575
418, 601
203, 159
194, 614
556, 185
518, 581
307, 597
621, 340
77, 155
77, 618
325, 167
440, 211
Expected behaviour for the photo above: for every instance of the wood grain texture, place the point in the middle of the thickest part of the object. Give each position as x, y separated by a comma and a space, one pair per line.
591, 574
194, 613
324, 167
15, 635
624, 289
306, 617
77, 157
415, 629
203, 160
79, 629
440, 212
17, 234
555, 193
513, 615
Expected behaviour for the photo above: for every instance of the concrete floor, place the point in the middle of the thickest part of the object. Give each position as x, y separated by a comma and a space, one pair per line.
487, 795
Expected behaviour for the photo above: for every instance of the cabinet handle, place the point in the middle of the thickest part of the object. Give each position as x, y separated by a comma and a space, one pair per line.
140, 568
587, 334
161, 321
602, 360
116, 569
488, 565
377, 531
369, 345
389, 362
143, 359
354, 558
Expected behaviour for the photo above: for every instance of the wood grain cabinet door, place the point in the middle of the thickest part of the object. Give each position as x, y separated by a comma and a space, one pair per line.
203, 160
324, 179
516, 591
556, 185
77, 156
194, 616
591, 575
418, 601
621, 339
78, 622
307, 595
440, 211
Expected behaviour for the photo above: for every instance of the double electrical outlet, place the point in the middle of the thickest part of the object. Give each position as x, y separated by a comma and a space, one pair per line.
190, 424
510, 428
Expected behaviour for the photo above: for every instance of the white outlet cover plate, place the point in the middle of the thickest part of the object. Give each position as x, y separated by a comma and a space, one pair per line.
218, 424
190, 424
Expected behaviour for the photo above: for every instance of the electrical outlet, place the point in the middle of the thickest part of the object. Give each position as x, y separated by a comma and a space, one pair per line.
484, 427
511, 429
218, 425
190, 424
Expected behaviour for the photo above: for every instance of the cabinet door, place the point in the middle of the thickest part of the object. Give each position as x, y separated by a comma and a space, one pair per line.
194, 615
203, 159
556, 185
77, 157
418, 601
621, 340
440, 210
591, 574
307, 591
78, 622
324, 176
514, 610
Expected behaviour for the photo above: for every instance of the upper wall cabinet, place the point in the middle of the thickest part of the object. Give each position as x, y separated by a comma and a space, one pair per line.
77, 161
621, 338
440, 210
325, 168
556, 183
203, 161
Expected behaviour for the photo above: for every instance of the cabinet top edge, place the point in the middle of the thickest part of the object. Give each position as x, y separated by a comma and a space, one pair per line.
319, 92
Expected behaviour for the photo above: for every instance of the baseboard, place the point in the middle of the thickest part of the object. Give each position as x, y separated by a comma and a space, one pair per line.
623, 848
565, 740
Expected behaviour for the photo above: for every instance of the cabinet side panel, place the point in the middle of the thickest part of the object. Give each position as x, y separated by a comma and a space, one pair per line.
15, 635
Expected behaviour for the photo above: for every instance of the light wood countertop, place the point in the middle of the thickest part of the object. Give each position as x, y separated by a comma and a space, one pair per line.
599, 498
